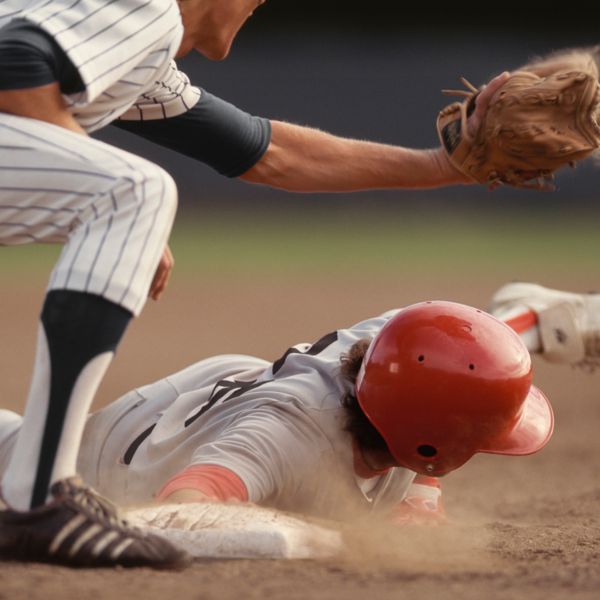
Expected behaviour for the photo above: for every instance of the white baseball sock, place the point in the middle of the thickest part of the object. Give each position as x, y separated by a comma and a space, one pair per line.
76, 342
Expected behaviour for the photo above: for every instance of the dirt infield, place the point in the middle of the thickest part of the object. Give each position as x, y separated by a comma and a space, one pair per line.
522, 528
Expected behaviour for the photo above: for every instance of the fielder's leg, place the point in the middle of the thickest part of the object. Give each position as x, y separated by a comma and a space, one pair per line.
10, 423
113, 211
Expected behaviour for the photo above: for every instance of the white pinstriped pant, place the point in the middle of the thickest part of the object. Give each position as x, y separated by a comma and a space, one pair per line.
112, 210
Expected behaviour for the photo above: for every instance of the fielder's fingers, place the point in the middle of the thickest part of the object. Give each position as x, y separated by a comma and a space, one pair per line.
489, 90
483, 100
162, 274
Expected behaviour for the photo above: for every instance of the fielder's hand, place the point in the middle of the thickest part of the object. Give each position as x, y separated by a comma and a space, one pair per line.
483, 101
162, 275
521, 128
473, 125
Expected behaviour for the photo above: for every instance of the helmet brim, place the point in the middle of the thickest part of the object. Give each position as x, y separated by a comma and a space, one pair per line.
533, 430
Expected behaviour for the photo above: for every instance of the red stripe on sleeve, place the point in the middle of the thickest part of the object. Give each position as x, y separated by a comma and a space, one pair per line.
213, 481
523, 322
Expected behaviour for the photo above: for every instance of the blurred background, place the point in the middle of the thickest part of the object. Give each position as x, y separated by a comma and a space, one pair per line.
258, 269
371, 70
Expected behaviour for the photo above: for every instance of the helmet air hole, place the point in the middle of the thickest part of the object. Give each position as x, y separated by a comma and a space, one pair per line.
427, 450
421, 358
472, 367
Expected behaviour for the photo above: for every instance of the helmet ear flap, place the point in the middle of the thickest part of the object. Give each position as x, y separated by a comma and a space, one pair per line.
442, 381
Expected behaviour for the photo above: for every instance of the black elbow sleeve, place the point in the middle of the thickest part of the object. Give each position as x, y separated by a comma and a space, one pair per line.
213, 131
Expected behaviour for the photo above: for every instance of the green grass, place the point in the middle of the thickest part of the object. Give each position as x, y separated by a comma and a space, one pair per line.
323, 243
330, 244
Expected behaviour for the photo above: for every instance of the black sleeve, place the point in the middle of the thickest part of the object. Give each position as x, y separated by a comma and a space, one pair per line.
30, 57
213, 131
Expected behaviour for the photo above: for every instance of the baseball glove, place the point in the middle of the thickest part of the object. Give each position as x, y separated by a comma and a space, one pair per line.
533, 126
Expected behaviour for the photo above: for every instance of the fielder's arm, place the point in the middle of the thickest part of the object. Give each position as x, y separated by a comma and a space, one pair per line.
291, 157
44, 103
34, 74
288, 156
301, 159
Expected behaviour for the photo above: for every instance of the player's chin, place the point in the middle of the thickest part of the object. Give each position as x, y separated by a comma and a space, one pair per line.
184, 49
216, 53
216, 46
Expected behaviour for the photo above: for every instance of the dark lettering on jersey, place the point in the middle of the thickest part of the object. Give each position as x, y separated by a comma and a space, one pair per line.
128, 456
228, 389
315, 349
224, 390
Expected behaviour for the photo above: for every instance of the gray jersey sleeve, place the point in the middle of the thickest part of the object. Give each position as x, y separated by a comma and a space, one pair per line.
273, 449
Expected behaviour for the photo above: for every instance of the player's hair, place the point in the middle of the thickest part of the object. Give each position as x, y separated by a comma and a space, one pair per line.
357, 423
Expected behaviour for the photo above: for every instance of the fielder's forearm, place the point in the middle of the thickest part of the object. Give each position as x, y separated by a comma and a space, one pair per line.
302, 159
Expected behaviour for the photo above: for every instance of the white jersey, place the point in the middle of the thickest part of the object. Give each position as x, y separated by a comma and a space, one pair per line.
279, 426
123, 51
112, 211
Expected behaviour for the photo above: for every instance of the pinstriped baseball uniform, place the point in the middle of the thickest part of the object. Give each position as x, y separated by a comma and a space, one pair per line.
279, 426
112, 210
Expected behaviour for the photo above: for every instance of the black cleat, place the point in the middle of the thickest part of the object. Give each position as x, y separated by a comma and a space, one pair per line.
79, 528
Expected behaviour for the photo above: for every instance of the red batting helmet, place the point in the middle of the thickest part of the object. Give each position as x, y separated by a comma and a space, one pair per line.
442, 381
